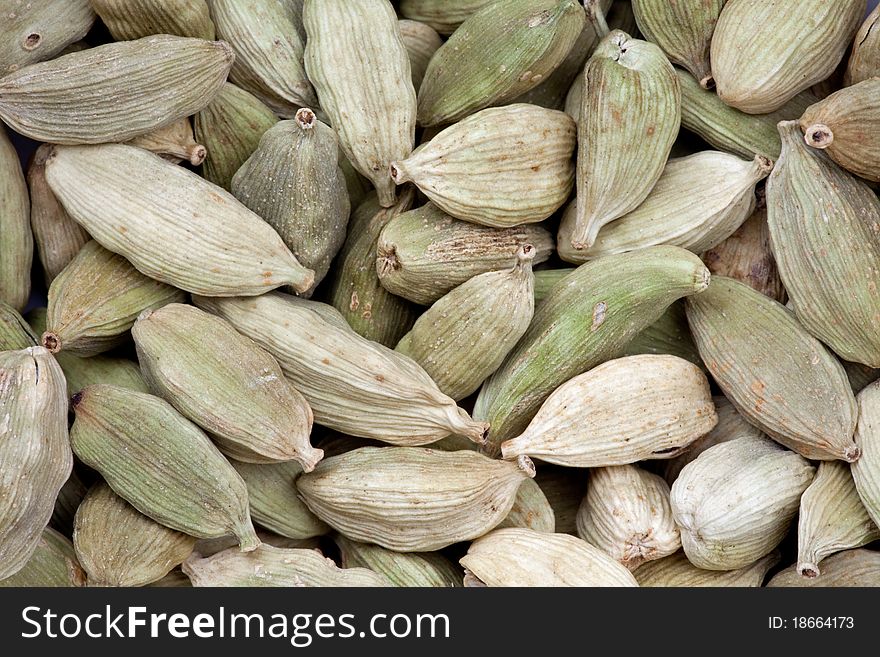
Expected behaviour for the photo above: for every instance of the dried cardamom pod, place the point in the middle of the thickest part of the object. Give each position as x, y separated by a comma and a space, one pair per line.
118, 546
860, 376
96, 299
626, 514
160, 463
355, 287
425, 253
421, 41
864, 59
171, 224
133, 19
268, 51
57, 236
734, 503
272, 566
757, 71
803, 400
523, 557
381, 495
363, 78
676, 570
36, 31
174, 579
587, 318
668, 335
866, 471
52, 563
463, 338
698, 202
14, 330
69, 498
443, 15
293, 181
401, 568
545, 279
623, 141
35, 457
16, 240
825, 233
520, 42
353, 385
832, 518
174, 142
564, 489
273, 500
500, 167
530, 509
226, 384
118, 90
207, 547
625, 410
850, 568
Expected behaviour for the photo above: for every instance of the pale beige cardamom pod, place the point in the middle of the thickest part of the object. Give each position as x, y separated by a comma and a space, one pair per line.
421, 41
16, 239
531, 509
53, 563
852, 568
864, 59
133, 19
677, 571
409, 569
866, 471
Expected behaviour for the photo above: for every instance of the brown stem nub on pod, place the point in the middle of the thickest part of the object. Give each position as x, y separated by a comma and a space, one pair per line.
386, 259
399, 175
808, 570
525, 254
32, 41
764, 165
819, 135
310, 458
527, 466
305, 118
197, 154
707, 82
51, 341
852, 454
596, 17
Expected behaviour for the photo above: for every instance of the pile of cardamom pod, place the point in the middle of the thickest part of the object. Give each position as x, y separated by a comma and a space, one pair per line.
439, 293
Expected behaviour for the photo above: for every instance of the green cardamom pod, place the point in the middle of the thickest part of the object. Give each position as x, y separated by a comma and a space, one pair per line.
866, 471
412, 569
133, 19
15, 333
16, 239
421, 41
443, 15
677, 571
53, 563
545, 279
531, 509
859, 568
864, 58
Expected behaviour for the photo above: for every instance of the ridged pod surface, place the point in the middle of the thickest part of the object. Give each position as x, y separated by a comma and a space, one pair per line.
443, 15
421, 41
15, 333
852, 568
412, 569
677, 571
133, 19
531, 509
545, 279
174, 142
16, 239
864, 59
866, 471
668, 335
52, 563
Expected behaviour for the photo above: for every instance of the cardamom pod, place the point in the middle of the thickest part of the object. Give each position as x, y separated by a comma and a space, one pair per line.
500, 167
530, 510
803, 400
866, 471
160, 463
353, 385
424, 253
381, 495
860, 376
174, 142
96, 299
626, 410
16, 240
443, 15
421, 41
35, 457
734, 503
409, 569
623, 141
523, 557
587, 318
53, 563
171, 224
463, 338
668, 335
293, 181
207, 547
14, 330
364, 82
497, 54
758, 71
864, 59
859, 568
545, 279
564, 489
118, 546
626, 514
133, 19
114, 92
825, 233
677, 571
174, 579
226, 384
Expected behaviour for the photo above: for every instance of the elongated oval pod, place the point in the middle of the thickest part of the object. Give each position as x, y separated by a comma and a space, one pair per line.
96, 299
866, 473
272, 566
16, 239
625, 410
118, 546
677, 571
160, 463
500, 167
587, 318
52, 563
531, 509
413, 499
802, 400
832, 518
757, 71
522, 557
851, 568
825, 234
117, 91
353, 385
226, 384
520, 41
626, 514
174, 142
545, 279
268, 51
668, 335
623, 140
401, 568
698, 202
133, 19
171, 224
15, 333
424, 253
421, 41
864, 59
734, 503
363, 78
35, 456
443, 15
463, 338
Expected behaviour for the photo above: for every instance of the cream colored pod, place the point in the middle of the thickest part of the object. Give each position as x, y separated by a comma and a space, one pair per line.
677, 571
735, 502
363, 78
625, 410
401, 568
531, 509
421, 41
853, 568
16, 239
35, 456
866, 471
413, 499
500, 167
626, 514
523, 557
630, 115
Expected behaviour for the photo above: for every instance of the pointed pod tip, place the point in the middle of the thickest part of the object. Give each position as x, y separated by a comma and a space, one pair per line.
808, 570
51, 341
707, 82
310, 458
526, 466
852, 454
197, 154
305, 118
818, 135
